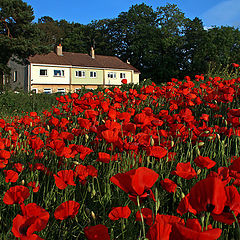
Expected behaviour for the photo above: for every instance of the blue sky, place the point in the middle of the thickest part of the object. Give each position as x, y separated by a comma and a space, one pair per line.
212, 12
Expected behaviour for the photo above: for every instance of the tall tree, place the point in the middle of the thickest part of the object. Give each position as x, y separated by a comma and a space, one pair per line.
193, 54
52, 33
18, 35
224, 45
171, 22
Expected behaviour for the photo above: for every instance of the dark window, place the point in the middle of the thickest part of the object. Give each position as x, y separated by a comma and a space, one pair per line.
43, 72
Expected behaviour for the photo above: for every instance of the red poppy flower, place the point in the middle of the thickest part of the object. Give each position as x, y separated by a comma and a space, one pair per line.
84, 123
204, 162
103, 157
16, 194
124, 81
4, 156
193, 231
84, 151
119, 212
98, 232
157, 151
235, 166
184, 206
110, 136
162, 227
235, 65
208, 195
67, 209
81, 172
10, 176
2, 123
92, 171
36, 143
19, 167
147, 216
33, 185
33, 218
64, 178
168, 185
184, 170
136, 182
232, 205
205, 117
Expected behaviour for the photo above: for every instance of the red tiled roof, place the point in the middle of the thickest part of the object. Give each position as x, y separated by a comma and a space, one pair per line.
82, 60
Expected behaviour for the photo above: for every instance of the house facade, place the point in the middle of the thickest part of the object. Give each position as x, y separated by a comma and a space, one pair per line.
67, 72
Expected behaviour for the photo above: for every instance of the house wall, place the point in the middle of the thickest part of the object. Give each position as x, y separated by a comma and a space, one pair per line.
136, 78
50, 78
117, 80
39, 88
21, 72
87, 79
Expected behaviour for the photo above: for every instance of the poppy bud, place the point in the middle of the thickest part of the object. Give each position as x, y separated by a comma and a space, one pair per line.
23, 182
152, 141
76, 162
182, 195
199, 171
93, 193
200, 144
93, 215
48, 127
86, 137
87, 210
31, 124
198, 151
172, 143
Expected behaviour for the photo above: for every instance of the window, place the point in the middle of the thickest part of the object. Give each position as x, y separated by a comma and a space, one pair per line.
47, 90
80, 74
61, 90
43, 72
111, 75
58, 73
93, 74
15, 76
122, 75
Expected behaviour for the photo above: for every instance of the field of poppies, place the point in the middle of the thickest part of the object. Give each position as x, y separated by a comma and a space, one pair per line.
131, 162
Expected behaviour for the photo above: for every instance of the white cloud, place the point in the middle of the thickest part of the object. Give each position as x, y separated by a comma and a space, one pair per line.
225, 13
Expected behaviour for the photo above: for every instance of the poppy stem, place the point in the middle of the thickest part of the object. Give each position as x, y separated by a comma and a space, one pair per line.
207, 219
139, 208
236, 222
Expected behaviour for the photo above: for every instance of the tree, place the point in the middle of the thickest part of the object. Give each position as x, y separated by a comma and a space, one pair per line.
19, 37
193, 54
51, 32
224, 45
171, 23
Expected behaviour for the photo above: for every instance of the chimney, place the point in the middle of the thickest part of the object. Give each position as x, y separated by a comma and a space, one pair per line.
59, 50
128, 62
92, 53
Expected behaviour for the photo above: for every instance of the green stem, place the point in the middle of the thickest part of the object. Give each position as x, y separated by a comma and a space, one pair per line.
237, 223
207, 219
139, 208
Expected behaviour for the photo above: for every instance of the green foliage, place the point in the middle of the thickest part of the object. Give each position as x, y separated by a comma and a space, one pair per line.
15, 104
19, 37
